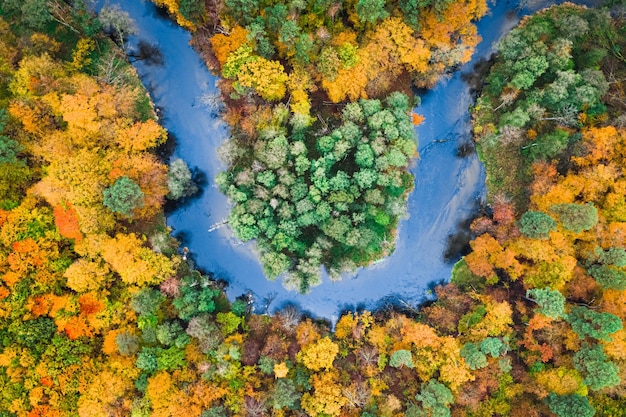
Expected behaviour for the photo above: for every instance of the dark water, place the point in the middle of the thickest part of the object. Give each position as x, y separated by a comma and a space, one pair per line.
449, 188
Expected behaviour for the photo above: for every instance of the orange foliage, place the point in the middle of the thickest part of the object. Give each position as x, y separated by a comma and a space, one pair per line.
224, 45
417, 119
76, 327
41, 305
44, 411
90, 304
66, 221
306, 333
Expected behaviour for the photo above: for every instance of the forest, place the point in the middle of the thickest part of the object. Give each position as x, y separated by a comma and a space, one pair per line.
102, 315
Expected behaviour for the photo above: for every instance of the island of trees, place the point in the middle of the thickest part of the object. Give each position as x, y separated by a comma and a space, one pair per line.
317, 96
100, 316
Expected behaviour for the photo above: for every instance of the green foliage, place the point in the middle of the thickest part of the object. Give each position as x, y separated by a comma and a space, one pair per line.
371, 11
34, 334
474, 358
215, 411
548, 146
598, 372
329, 204
147, 359
284, 395
586, 322
171, 334
462, 277
123, 197
229, 321
551, 303
435, 398
492, 346
169, 359
197, 295
536, 225
570, 405
608, 277
401, 358
147, 302
576, 217
612, 256
127, 343
179, 180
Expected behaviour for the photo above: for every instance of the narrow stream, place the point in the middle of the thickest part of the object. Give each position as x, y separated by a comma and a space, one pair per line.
449, 188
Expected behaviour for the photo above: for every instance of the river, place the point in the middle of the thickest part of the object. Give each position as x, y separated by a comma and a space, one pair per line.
449, 185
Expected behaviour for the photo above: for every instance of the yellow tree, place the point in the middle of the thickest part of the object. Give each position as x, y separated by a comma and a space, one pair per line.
319, 355
327, 397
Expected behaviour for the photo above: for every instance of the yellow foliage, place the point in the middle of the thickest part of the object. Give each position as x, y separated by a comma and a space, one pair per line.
343, 328
266, 77
562, 381
327, 397
84, 275
135, 263
140, 136
80, 55
281, 370
224, 45
319, 355
497, 321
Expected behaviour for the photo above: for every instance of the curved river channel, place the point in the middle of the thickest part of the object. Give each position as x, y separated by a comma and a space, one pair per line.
449, 188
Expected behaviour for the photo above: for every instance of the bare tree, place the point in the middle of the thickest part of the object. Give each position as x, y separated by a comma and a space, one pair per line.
117, 23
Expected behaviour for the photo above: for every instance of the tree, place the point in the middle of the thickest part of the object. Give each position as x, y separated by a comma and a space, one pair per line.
491, 346
435, 398
551, 303
536, 225
123, 197
319, 355
570, 405
576, 217
586, 322
179, 180
598, 372
117, 23
401, 358
127, 343
474, 358
284, 395
608, 277
371, 11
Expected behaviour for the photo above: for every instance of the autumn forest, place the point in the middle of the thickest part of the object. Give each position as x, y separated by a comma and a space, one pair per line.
103, 315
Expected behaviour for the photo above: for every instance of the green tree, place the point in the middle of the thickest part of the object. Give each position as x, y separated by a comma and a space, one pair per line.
586, 322
608, 277
592, 363
127, 343
147, 359
570, 405
371, 11
401, 358
123, 197
284, 395
491, 346
179, 180
435, 398
551, 303
576, 217
474, 358
536, 225
197, 295
147, 301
